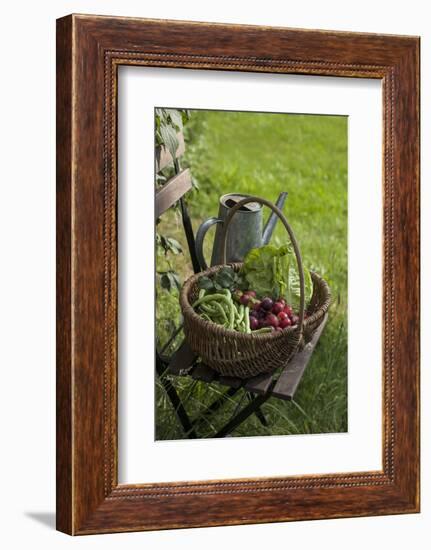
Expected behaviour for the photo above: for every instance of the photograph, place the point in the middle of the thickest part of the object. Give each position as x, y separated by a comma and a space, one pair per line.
251, 250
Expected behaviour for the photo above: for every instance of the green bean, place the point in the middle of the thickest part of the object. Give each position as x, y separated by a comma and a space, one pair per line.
239, 317
217, 317
263, 330
239, 327
211, 298
237, 312
247, 319
226, 307
209, 308
201, 293
214, 310
206, 317
222, 303
232, 317
221, 310
237, 324
241, 314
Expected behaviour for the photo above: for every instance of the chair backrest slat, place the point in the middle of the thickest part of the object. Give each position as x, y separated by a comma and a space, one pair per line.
172, 191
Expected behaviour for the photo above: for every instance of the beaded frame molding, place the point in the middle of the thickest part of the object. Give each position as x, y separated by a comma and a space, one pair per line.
89, 51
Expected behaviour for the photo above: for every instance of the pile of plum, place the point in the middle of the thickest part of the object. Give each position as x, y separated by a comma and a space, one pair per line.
267, 312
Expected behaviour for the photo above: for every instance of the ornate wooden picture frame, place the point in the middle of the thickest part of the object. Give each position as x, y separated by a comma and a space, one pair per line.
89, 51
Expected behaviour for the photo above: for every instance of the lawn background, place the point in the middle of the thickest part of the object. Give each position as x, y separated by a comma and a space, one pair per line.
264, 154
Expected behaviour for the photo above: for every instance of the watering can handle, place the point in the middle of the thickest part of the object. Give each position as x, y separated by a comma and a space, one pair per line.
200, 236
277, 211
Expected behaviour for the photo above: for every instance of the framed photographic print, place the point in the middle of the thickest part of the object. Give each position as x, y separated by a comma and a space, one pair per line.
237, 274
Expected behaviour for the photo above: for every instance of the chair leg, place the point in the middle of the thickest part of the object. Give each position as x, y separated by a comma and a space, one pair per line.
242, 415
214, 406
258, 412
179, 409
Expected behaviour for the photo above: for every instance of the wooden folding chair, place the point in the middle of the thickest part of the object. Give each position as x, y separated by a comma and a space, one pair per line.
281, 385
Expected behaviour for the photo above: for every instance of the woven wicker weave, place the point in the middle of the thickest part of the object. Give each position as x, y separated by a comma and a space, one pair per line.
233, 353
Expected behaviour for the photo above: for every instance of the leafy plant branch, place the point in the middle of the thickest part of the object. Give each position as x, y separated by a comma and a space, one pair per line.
169, 122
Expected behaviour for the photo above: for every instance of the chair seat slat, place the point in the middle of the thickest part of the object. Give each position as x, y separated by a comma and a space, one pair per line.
182, 359
204, 373
289, 379
259, 384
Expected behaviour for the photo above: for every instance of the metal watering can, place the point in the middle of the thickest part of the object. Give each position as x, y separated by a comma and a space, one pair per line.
245, 230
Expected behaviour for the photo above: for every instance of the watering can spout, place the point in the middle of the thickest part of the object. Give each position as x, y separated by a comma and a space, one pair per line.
272, 220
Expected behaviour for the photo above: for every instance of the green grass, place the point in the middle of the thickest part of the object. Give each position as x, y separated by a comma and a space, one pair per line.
265, 154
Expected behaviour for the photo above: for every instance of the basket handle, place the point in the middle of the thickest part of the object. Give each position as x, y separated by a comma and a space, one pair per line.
283, 219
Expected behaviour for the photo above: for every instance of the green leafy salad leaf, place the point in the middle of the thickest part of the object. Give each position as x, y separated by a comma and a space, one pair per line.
225, 278
272, 271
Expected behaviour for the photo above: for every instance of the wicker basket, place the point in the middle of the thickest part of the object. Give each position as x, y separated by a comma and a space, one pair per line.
233, 353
